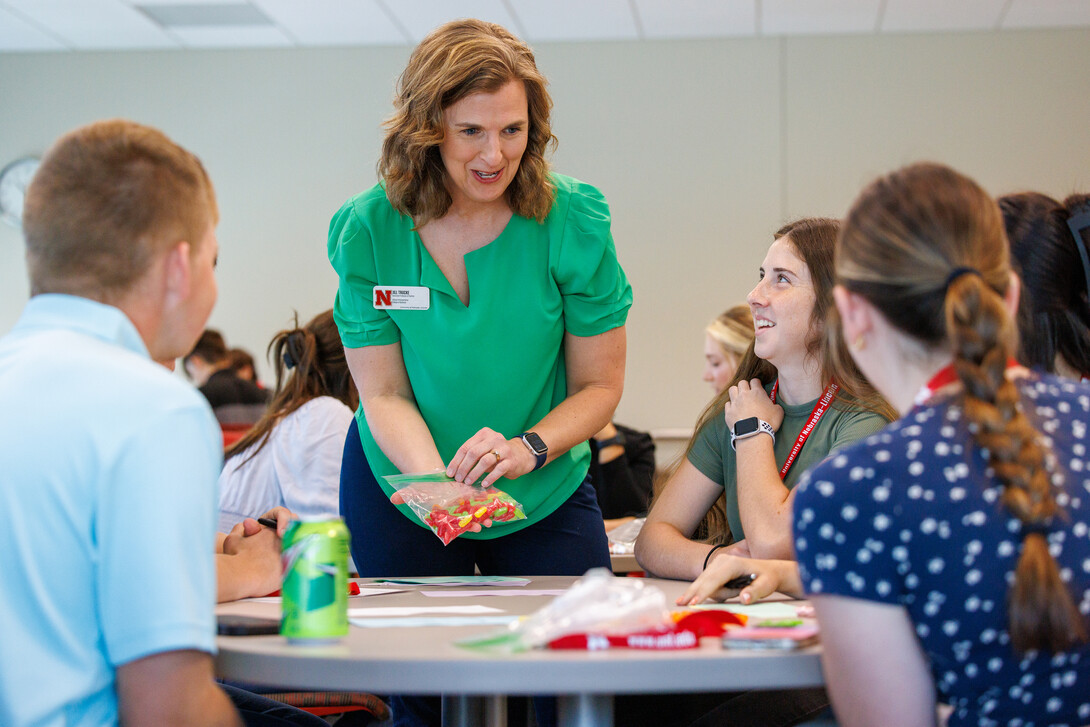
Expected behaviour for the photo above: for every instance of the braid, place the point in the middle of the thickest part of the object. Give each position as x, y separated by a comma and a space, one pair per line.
1041, 611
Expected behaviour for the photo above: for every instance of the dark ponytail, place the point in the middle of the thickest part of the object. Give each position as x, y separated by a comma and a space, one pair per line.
309, 362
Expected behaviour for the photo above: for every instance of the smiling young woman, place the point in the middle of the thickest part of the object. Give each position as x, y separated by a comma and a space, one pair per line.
787, 392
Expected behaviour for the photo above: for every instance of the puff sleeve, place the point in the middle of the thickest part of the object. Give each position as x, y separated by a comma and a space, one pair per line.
351, 252
595, 290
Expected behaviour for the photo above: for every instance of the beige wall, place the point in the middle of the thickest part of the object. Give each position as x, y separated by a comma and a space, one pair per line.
703, 148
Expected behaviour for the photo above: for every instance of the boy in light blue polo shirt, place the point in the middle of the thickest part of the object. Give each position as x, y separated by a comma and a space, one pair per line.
108, 463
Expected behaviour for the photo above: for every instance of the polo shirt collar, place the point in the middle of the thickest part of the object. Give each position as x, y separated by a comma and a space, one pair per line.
82, 315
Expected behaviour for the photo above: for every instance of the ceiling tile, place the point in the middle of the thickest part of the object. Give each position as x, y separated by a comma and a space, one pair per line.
17, 34
420, 17
812, 17
1047, 14
696, 18
94, 24
941, 15
235, 37
575, 20
333, 22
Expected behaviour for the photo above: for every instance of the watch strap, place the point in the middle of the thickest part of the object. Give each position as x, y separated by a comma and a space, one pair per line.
763, 427
540, 455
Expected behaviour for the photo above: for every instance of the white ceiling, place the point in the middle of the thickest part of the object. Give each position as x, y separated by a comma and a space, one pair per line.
72, 25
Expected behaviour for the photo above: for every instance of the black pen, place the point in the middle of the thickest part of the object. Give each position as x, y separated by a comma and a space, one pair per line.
740, 581
267, 522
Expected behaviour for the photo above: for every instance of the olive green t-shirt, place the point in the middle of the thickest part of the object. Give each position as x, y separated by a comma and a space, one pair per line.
715, 458
498, 362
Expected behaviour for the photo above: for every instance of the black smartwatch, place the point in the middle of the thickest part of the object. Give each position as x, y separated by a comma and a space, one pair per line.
537, 447
751, 427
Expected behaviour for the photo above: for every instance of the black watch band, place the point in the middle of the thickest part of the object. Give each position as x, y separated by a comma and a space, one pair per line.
537, 447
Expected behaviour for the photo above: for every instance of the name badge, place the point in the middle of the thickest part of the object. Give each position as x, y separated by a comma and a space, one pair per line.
402, 297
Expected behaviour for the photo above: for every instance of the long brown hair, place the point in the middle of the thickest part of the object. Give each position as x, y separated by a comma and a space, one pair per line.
456, 60
926, 247
315, 356
814, 240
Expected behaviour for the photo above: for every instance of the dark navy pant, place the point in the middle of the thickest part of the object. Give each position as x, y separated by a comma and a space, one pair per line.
385, 543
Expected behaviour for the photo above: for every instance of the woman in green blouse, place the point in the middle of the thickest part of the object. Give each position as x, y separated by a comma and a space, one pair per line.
482, 310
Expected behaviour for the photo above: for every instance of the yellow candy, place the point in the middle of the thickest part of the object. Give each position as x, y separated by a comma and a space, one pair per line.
480, 512
465, 520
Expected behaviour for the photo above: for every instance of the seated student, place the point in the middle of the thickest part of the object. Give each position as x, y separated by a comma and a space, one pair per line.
725, 342
292, 456
945, 556
622, 470
788, 383
110, 462
242, 364
234, 400
1049, 243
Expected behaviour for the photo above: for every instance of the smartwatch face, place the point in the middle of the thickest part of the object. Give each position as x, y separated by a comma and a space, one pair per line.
745, 426
535, 442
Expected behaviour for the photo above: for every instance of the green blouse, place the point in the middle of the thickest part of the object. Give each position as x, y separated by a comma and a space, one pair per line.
498, 362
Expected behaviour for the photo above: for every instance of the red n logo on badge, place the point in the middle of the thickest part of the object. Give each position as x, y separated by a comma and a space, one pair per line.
382, 298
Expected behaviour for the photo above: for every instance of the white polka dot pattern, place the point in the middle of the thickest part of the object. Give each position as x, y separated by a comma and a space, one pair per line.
913, 516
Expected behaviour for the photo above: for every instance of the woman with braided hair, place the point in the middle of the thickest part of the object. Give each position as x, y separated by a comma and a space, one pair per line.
292, 455
947, 556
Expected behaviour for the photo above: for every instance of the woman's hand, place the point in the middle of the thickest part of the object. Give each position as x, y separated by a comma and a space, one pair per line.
772, 576
749, 399
488, 454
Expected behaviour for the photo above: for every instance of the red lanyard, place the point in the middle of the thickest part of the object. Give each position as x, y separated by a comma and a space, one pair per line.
819, 411
945, 376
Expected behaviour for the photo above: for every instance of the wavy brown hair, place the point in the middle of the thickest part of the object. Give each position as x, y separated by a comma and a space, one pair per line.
814, 240
315, 357
456, 60
904, 237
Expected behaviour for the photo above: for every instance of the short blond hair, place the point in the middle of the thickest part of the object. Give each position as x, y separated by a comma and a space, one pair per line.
456, 60
107, 198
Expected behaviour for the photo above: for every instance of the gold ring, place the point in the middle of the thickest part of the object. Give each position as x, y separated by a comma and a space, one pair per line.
498, 457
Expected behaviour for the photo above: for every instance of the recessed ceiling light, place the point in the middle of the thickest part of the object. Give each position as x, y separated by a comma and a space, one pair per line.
183, 16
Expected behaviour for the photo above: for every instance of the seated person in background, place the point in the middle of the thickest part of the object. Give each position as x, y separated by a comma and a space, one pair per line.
945, 555
242, 363
234, 400
292, 456
726, 340
110, 462
622, 469
791, 389
1049, 244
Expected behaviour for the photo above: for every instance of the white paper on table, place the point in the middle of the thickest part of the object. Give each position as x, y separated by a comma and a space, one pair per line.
457, 581
492, 592
414, 621
363, 592
417, 610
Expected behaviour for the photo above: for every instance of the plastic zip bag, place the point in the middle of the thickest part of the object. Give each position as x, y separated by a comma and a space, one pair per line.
597, 603
451, 508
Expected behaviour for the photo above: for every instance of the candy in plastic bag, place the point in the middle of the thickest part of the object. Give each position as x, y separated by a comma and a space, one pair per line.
451, 508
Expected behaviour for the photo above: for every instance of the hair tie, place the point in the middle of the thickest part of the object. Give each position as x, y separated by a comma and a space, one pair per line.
1078, 222
1038, 528
957, 273
292, 357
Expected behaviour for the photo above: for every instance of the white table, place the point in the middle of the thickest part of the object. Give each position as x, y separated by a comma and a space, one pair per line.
424, 660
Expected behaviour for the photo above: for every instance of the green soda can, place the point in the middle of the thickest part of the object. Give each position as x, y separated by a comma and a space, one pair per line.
314, 562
